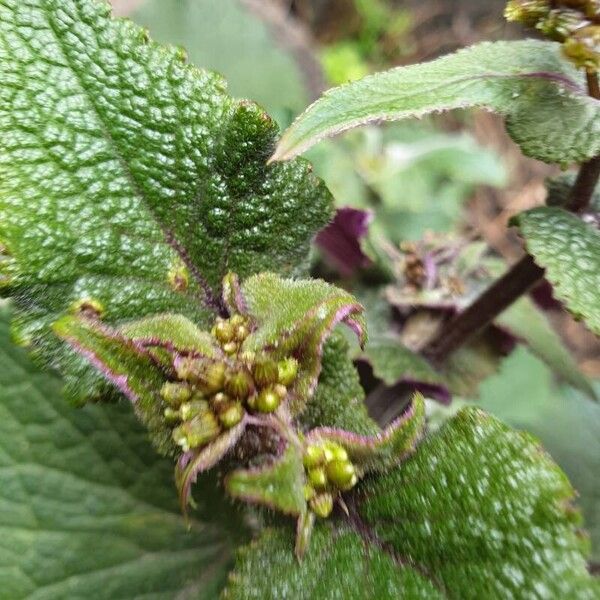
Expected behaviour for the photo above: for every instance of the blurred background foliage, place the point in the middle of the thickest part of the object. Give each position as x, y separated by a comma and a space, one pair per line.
446, 176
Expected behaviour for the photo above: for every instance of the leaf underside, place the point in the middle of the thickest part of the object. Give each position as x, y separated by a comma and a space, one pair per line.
543, 97
131, 178
569, 250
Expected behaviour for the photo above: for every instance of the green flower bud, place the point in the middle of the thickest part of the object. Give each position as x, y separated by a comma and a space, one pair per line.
175, 393
350, 484
220, 401
232, 415
237, 320
288, 371
241, 333
198, 432
309, 492
211, 377
560, 24
265, 372
239, 384
223, 331
267, 401
248, 357
340, 472
313, 456
317, 477
527, 12
190, 410
171, 415
322, 505
583, 48
230, 348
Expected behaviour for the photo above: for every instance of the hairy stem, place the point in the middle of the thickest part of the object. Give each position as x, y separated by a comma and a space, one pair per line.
516, 281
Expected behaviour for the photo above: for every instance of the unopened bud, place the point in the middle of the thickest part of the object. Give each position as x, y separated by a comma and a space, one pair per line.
211, 377
583, 48
198, 432
313, 456
232, 415
287, 371
239, 384
340, 473
527, 12
175, 393
190, 410
322, 505
317, 477
223, 331
560, 24
265, 372
230, 348
241, 333
171, 415
267, 401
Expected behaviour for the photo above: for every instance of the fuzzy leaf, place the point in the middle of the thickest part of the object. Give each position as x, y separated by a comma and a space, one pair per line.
385, 449
338, 564
128, 368
294, 318
569, 250
528, 324
542, 96
485, 513
339, 397
87, 509
279, 485
131, 178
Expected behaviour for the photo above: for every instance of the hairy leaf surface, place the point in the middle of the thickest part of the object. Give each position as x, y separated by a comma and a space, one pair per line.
569, 250
542, 96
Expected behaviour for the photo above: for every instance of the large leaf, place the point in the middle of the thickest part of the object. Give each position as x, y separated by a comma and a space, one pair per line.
485, 513
339, 564
129, 179
526, 322
86, 508
569, 250
480, 511
543, 97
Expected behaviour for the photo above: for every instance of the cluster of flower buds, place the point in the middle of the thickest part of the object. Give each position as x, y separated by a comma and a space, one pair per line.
211, 395
329, 472
575, 23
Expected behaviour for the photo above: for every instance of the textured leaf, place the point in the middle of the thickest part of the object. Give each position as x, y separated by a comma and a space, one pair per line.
124, 365
129, 177
393, 362
543, 97
86, 509
569, 250
528, 324
338, 564
279, 485
294, 318
339, 397
484, 513
385, 449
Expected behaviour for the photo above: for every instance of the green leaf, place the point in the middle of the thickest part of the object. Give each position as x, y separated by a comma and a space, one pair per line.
528, 324
339, 398
569, 250
278, 485
338, 564
86, 507
129, 177
484, 513
294, 318
542, 96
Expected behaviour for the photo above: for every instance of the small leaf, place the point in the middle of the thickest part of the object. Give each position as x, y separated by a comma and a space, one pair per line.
569, 250
278, 485
543, 97
484, 512
294, 318
137, 185
384, 450
528, 324
129, 369
337, 564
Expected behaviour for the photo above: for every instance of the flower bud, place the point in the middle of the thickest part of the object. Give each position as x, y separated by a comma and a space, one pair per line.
340, 472
220, 401
309, 492
583, 48
241, 333
230, 348
322, 505
171, 415
232, 415
198, 432
560, 24
527, 12
223, 331
175, 393
211, 377
287, 371
313, 456
265, 372
267, 401
190, 410
317, 477
239, 384
237, 320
